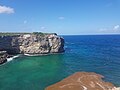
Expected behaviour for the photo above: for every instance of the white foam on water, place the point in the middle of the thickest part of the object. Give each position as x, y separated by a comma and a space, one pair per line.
11, 58
35, 54
30, 55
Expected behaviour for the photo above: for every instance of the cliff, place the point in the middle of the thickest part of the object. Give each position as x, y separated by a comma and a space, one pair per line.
31, 43
83, 81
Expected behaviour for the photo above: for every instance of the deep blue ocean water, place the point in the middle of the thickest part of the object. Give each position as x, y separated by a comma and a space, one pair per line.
90, 53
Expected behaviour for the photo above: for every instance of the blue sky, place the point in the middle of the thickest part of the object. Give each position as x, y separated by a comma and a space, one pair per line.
60, 16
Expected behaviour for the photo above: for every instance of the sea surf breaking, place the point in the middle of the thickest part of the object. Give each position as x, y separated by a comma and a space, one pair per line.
11, 58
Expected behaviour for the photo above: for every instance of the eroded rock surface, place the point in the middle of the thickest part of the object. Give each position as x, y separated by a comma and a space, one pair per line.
32, 44
3, 56
83, 81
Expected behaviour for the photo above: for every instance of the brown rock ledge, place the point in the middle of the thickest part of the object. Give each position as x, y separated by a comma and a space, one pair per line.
83, 81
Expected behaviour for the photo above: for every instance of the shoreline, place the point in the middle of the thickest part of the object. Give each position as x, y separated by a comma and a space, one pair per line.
29, 55
10, 59
29, 44
42, 54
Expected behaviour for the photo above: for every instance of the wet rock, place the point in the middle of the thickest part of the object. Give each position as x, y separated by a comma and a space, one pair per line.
3, 57
83, 81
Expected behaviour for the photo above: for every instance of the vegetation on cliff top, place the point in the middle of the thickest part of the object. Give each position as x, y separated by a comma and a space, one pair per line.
21, 33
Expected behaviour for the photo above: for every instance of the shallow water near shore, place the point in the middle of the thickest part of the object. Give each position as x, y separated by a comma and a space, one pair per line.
90, 53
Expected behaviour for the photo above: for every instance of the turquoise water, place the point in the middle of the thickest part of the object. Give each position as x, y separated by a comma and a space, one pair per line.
100, 54
31, 73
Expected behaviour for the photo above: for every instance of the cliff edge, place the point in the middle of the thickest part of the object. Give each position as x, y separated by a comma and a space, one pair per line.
31, 43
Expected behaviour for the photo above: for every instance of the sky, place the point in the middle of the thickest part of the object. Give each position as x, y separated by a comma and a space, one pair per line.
64, 17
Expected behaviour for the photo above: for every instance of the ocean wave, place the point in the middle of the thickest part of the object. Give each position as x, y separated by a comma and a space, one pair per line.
29, 55
69, 43
11, 58
35, 54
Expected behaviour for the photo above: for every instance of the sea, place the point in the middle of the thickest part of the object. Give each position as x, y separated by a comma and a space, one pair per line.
88, 53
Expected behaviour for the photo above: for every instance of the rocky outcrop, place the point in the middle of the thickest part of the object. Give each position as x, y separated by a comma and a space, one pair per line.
32, 44
83, 81
4, 56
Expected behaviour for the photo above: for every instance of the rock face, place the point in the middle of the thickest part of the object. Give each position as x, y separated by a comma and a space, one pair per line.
32, 44
4, 56
83, 81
